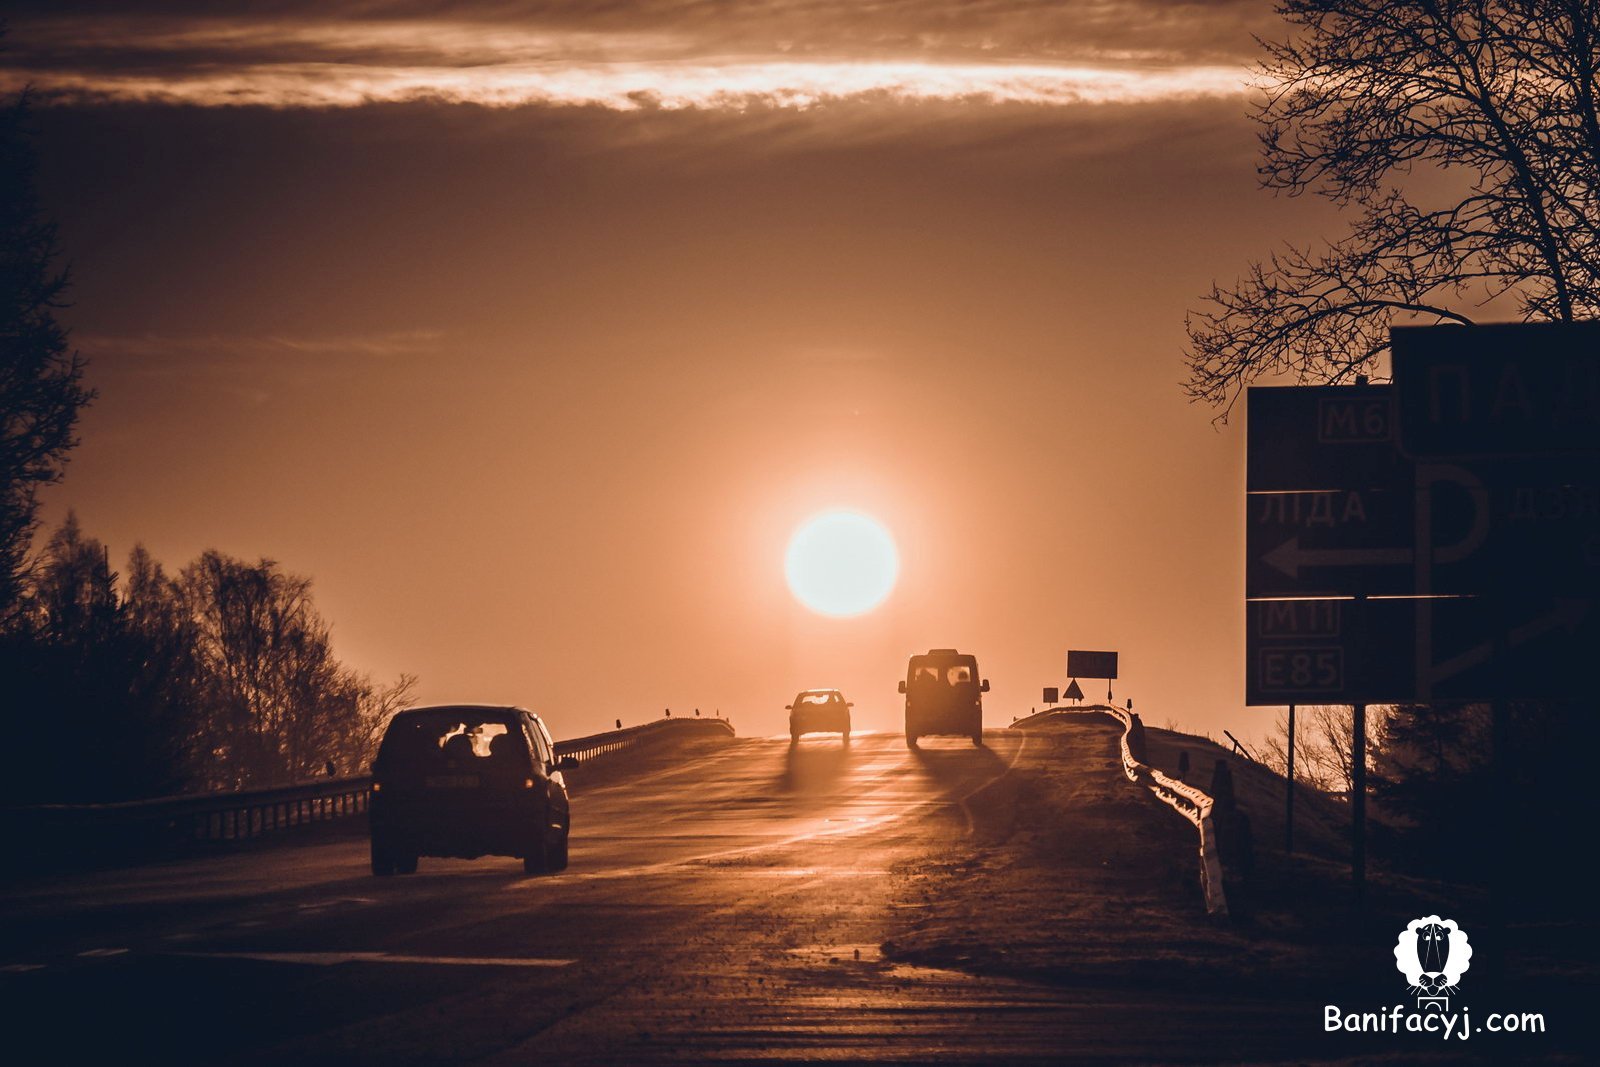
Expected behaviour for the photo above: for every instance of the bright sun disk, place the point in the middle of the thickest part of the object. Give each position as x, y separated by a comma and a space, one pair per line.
841, 563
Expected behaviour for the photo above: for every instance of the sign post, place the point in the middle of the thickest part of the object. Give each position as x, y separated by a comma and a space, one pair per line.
1288, 803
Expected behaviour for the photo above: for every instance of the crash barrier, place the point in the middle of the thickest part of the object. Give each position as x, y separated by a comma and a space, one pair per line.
1186, 800
91, 833
584, 749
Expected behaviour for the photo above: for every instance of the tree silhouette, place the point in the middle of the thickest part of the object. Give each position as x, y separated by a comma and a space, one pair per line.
1466, 136
41, 388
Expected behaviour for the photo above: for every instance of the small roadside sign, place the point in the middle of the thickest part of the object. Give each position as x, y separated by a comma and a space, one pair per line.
1074, 691
1091, 664
1052, 695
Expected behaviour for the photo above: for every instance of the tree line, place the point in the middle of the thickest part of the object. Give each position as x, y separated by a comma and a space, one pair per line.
1442, 807
139, 683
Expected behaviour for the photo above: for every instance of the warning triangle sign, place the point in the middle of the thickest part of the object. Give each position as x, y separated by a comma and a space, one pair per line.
1073, 693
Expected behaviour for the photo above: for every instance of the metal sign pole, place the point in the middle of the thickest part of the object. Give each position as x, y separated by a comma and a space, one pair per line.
1358, 802
1288, 803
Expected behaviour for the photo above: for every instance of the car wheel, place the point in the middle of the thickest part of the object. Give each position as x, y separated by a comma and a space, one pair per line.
382, 859
558, 856
405, 863
911, 740
847, 737
537, 861
977, 738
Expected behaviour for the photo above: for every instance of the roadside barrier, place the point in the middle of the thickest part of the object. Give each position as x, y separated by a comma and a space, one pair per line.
141, 828
584, 749
1193, 804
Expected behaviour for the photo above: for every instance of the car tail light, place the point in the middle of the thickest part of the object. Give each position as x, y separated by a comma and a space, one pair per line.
527, 783
377, 787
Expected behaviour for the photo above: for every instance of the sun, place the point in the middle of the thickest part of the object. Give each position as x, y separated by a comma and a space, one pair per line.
841, 563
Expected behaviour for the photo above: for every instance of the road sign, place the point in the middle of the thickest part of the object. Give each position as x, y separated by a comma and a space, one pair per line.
1398, 650
1330, 543
1526, 389
1091, 664
1074, 691
1494, 534
1322, 437
1329, 651
1505, 648
1461, 531
1052, 694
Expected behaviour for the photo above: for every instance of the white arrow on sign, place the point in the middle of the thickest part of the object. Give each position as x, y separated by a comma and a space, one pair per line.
1567, 614
1289, 557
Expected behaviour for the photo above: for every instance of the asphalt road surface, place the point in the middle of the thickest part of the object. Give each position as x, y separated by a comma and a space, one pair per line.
726, 902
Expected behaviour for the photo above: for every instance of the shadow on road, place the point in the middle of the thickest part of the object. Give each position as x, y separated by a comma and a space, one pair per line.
951, 760
814, 768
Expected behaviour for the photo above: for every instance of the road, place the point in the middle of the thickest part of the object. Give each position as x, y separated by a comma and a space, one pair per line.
726, 902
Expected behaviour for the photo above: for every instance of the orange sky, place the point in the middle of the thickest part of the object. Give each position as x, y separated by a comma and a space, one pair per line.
534, 370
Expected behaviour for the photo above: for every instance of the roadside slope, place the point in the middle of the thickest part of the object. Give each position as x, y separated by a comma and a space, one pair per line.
1070, 873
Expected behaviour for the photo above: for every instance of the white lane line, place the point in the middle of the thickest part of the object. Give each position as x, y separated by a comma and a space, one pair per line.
330, 959
100, 953
21, 968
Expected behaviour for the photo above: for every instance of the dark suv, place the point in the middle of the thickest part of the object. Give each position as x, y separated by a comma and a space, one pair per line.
943, 695
468, 780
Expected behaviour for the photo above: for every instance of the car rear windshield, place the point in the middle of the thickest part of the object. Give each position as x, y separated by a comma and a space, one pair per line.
818, 698
457, 741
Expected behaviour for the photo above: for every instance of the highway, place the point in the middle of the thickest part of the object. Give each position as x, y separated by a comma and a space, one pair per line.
727, 901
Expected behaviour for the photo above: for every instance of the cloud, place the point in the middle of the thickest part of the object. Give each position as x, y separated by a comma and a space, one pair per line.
630, 57
182, 347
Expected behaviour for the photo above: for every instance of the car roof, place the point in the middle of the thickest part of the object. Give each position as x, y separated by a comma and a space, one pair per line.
805, 692
477, 708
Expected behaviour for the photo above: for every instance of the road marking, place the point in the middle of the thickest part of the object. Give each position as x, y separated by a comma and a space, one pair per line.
319, 905
100, 953
330, 959
21, 968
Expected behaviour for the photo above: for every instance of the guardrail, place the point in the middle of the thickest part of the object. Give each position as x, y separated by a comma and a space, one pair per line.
584, 749
1193, 804
91, 833
140, 828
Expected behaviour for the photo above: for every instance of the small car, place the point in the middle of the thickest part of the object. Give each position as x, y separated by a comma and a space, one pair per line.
816, 710
468, 780
943, 695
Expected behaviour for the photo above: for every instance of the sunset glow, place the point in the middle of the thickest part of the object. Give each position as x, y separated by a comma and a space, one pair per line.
245, 62
841, 563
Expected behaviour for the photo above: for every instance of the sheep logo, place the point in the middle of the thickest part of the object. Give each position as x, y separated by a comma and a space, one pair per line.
1433, 954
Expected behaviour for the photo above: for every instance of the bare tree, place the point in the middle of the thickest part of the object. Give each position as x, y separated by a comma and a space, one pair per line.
1464, 133
1321, 748
279, 704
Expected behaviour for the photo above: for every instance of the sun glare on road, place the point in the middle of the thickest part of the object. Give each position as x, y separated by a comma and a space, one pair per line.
841, 563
